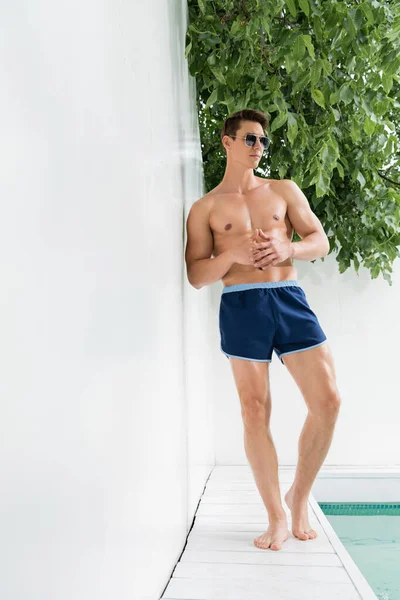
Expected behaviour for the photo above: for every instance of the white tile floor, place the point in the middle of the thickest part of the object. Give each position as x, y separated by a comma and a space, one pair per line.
220, 561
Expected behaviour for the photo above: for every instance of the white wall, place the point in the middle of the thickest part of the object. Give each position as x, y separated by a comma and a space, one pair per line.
106, 438
360, 319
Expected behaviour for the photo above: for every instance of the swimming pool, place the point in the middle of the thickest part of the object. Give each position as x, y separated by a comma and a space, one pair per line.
370, 532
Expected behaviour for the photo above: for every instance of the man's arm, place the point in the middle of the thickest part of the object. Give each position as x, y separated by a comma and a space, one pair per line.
201, 269
315, 243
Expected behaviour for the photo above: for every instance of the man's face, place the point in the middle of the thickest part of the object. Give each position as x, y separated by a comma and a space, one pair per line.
238, 150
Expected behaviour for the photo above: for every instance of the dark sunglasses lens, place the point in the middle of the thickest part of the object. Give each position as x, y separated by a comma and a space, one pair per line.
250, 139
264, 141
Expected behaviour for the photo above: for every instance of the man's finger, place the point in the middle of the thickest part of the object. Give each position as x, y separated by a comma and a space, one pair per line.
260, 245
271, 262
266, 252
265, 260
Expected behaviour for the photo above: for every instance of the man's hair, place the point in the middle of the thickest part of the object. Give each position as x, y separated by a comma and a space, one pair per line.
233, 122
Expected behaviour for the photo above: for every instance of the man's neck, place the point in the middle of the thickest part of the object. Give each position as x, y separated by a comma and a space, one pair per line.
238, 180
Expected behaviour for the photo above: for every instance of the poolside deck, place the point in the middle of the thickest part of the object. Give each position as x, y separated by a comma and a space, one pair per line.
220, 561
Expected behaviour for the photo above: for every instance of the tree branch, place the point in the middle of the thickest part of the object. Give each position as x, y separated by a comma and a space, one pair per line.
390, 180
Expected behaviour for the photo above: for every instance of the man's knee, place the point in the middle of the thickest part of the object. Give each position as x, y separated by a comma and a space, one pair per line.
256, 409
335, 400
328, 403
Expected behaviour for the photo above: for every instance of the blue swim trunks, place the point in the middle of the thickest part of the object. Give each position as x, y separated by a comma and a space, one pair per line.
257, 318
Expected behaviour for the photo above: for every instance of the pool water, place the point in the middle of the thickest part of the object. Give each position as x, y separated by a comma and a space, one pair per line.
370, 532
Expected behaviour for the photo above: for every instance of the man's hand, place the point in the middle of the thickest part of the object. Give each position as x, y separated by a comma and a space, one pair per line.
272, 251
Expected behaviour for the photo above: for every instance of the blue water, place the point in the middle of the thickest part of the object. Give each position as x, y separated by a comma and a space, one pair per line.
373, 541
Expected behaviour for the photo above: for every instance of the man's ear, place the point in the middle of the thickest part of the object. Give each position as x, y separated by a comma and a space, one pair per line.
229, 139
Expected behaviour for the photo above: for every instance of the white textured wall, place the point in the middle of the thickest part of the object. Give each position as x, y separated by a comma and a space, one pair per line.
106, 437
360, 318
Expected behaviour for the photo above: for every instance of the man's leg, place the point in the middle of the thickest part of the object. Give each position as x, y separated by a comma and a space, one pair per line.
314, 373
252, 383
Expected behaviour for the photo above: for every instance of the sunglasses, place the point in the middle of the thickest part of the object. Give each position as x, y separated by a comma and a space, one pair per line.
251, 138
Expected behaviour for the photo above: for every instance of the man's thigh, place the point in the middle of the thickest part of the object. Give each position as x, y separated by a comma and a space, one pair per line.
252, 384
314, 373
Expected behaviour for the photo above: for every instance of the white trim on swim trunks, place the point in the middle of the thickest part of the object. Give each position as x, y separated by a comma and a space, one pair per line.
302, 349
246, 358
238, 287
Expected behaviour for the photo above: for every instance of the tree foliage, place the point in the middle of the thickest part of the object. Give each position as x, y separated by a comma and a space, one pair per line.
327, 76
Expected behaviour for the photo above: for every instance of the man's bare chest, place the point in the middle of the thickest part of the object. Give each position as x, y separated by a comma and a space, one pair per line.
237, 216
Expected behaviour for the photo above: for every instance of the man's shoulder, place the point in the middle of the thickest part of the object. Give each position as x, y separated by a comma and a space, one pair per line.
204, 205
273, 181
208, 198
285, 187
270, 182
284, 182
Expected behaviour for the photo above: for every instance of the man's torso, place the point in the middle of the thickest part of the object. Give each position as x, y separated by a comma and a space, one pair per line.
234, 216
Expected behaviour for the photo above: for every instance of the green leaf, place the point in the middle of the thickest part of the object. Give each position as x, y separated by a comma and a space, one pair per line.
369, 15
292, 7
299, 47
321, 186
369, 126
319, 33
375, 271
327, 66
309, 44
291, 64
265, 20
334, 97
387, 82
318, 97
387, 277
339, 169
316, 69
358, 18
212, 98
346, 94
305, 7
188, 49
236, 27
278, 121
301, 83
218, 74
212, 58
335, 113
292, 127
202, 6
361, 179
393, 66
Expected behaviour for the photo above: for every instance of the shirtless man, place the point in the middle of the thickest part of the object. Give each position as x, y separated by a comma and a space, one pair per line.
246, 223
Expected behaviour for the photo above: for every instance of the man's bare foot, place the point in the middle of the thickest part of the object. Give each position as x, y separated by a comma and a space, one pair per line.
275, 535
301, 528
